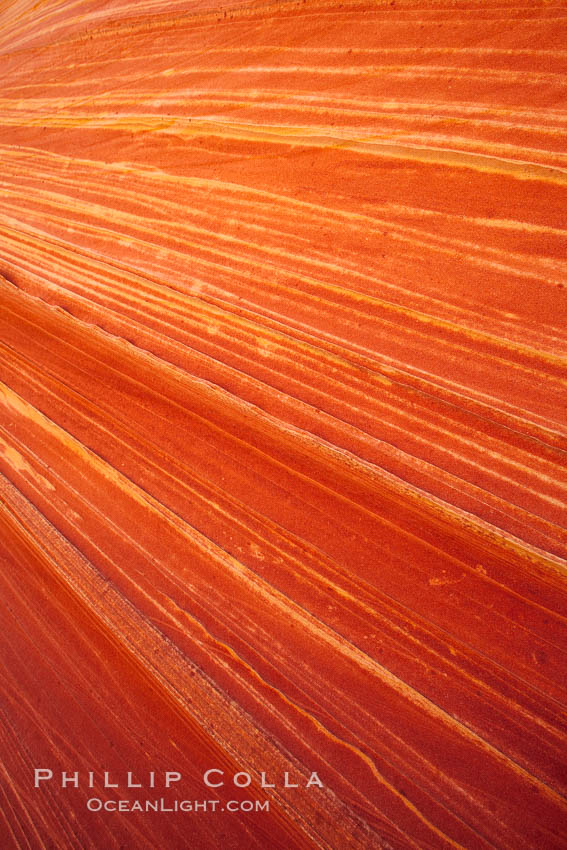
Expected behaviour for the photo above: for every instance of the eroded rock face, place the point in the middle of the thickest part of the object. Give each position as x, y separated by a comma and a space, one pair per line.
282, 424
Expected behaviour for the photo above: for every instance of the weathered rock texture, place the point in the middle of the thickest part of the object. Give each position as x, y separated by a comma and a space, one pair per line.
282, 421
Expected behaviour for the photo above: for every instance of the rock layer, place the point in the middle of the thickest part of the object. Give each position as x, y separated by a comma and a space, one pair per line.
282, 420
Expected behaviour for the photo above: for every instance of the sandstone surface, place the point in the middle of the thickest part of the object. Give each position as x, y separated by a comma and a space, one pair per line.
283, 420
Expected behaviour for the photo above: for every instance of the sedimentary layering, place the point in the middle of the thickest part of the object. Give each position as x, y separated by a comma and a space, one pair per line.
282, 424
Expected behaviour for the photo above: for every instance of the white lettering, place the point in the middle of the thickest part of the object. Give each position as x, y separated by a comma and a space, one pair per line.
40, 774
264, 782
107, 782
247, 780
213, 784
287, 783
171, 776
314, 780
70, 778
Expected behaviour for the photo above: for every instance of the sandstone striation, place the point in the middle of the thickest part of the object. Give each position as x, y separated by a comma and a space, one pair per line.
283, 422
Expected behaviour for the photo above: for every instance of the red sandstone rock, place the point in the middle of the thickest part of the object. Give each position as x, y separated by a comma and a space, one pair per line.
282, 422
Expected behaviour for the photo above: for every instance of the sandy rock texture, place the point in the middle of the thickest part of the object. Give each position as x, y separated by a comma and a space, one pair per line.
282, 423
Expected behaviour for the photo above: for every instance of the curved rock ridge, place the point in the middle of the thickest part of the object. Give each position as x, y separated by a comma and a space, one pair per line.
283, 424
